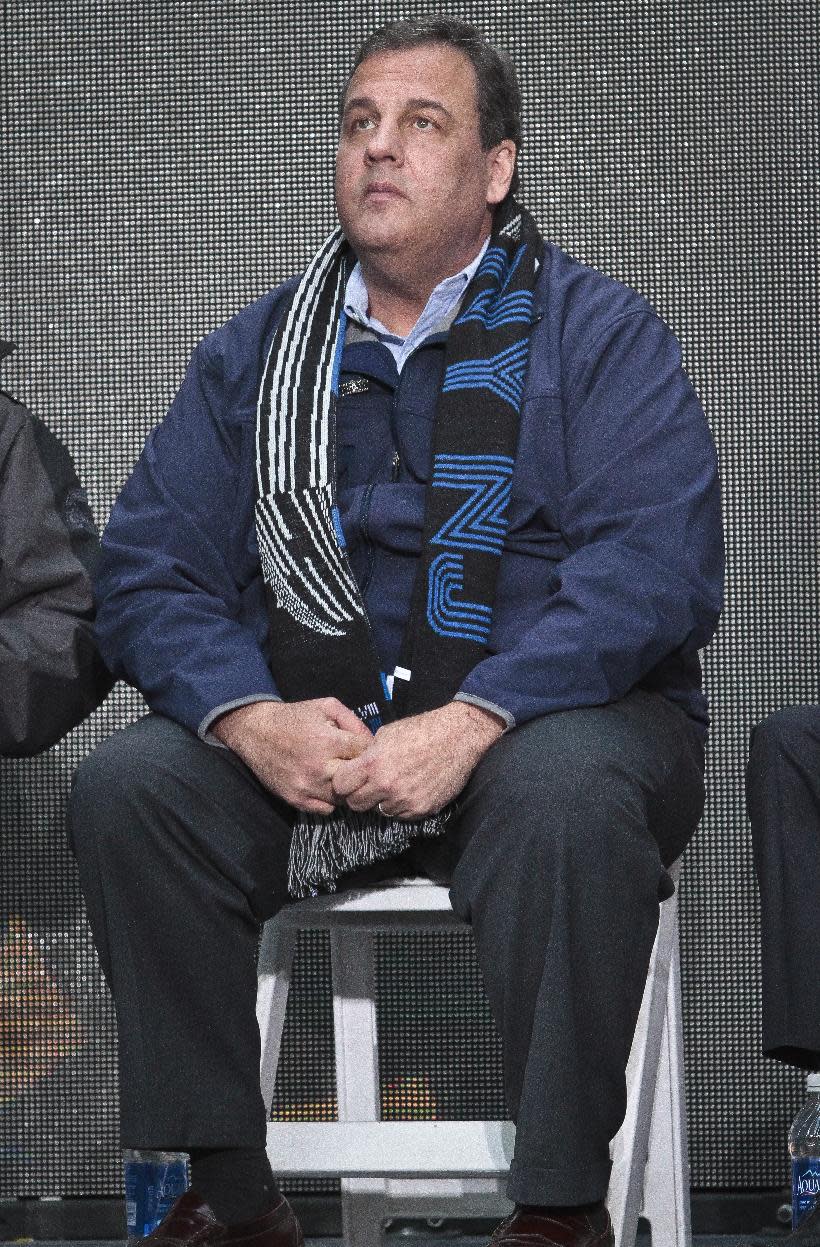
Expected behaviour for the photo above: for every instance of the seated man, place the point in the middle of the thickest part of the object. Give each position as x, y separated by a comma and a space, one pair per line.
783, 794
51, 674
413, 575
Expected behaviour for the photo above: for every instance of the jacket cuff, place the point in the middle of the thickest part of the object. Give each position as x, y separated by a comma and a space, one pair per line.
483, 704
204, 732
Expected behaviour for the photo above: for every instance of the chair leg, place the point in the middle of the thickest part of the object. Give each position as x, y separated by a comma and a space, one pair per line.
352, 956
666, 1203
273, 983
632, 1144
364, 1211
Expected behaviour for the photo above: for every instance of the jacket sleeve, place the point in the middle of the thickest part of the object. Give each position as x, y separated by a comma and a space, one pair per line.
51, 674
641, 519
168, 617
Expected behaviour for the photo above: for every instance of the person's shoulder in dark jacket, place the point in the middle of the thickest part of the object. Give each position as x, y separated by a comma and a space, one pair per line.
586, 301
244, 341
51, 675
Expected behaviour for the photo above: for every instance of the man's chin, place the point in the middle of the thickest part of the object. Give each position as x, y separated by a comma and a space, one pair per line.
375, 241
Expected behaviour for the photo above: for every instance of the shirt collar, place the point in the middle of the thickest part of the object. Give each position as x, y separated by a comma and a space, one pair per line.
437, 314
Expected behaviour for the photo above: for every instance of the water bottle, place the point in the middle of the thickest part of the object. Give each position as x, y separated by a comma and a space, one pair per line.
804, 1146
153, 1181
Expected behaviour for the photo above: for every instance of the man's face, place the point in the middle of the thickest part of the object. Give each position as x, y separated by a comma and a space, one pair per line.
412, 182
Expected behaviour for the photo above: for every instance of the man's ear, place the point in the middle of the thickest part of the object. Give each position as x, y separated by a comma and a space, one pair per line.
500, 169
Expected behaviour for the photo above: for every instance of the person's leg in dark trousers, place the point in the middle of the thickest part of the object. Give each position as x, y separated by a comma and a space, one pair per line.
564, 832
181, 854
561, 840
783, 794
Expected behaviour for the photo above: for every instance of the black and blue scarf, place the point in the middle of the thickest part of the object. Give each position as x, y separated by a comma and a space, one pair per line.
321, 641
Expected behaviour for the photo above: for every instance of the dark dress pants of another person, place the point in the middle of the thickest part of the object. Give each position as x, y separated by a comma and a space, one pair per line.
557, 857
783, 794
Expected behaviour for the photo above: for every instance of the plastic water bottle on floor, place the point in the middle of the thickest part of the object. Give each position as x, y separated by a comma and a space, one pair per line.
153, 1181
804, 1145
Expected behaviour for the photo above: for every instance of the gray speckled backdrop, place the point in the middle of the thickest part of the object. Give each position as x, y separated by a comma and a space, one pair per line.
163, 164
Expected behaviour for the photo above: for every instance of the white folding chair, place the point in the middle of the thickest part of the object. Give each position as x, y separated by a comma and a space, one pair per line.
457, 1168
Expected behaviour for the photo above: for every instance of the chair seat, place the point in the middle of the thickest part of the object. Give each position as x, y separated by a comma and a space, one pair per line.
403, 902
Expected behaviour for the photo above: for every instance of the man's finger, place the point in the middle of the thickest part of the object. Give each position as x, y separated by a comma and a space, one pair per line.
364, 798
385, 809
313, 805
350, 746
348, 776
347, 720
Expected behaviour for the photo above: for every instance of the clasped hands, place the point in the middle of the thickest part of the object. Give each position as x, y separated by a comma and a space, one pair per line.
317, 754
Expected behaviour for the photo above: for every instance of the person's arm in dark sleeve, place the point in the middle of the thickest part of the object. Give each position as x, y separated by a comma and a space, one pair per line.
51, 675
641, 515
168, 616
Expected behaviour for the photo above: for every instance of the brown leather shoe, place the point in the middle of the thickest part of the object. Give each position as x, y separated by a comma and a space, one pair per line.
569, 1229
191, 1221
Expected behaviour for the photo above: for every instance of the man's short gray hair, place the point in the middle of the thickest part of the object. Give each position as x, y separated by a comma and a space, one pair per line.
499, 95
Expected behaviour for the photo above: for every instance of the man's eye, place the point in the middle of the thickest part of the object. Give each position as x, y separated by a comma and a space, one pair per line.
361, 123
424, 123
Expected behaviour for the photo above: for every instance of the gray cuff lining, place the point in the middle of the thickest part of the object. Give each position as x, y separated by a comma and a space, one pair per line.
483, 704
203, 731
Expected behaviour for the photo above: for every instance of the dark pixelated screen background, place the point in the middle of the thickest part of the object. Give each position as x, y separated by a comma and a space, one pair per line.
163, 164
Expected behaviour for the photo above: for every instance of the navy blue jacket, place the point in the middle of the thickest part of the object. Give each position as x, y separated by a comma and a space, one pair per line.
612, 570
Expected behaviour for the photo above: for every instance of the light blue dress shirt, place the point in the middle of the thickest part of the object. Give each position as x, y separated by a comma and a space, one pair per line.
437, 315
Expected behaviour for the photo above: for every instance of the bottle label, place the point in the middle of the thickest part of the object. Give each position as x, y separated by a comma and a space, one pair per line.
805, 1187
151, 1187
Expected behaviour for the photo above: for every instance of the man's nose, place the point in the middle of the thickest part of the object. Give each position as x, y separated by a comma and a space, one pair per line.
384, 142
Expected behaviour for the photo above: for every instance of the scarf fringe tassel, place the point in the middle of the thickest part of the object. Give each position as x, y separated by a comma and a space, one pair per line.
322, 849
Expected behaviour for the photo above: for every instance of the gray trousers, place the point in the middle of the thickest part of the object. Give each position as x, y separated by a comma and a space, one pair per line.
556, 858
783, 794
